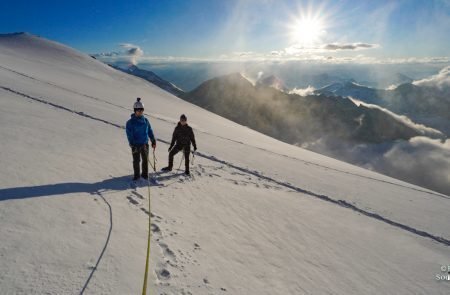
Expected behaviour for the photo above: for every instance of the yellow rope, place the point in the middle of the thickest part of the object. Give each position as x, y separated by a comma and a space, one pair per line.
144, 288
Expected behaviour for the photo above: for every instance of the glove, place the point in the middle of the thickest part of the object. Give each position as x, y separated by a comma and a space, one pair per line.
134, 149
154, 145
195, 148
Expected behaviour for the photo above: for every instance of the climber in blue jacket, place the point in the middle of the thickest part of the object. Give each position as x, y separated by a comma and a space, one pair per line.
139, 131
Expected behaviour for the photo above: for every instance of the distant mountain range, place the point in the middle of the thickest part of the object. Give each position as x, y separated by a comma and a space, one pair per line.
188, 75
297, 119
329, 112
152, 78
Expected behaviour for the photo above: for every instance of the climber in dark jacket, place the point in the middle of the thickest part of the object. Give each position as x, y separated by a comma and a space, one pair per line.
138, 132
182, 138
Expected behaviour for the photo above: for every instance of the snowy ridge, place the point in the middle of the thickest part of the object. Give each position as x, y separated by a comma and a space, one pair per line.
257, 216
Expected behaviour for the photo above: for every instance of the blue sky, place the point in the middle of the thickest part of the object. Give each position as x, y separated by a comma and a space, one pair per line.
243, 29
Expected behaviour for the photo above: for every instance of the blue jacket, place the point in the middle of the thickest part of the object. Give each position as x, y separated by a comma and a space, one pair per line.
139, 131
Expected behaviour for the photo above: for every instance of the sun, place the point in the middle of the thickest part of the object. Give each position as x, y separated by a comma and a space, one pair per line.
307, 31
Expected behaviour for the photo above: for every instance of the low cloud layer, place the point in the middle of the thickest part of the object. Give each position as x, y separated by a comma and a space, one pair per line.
421, 160
293, 53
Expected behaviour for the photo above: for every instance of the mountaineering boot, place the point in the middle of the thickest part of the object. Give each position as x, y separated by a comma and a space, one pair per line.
144, 176
135, 178
166, 169
187, 172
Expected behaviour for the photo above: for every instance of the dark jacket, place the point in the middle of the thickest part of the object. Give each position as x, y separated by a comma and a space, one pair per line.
183, 136
139, 131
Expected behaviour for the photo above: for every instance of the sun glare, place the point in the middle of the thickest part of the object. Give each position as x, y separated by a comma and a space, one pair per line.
307, 31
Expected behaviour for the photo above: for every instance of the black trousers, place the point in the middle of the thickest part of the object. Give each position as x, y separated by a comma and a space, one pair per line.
138, 153
175, 150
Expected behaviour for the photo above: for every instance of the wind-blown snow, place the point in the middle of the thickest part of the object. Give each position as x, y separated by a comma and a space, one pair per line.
440, 80
258, 216
427, 131
303, 91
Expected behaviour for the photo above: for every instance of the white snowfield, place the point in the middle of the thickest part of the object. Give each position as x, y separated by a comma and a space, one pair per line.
258, 216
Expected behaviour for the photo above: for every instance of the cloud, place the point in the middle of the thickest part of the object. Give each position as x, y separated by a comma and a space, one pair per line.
303, 91
299, 49
260, 74
420, 160
296, 53
131, 54
248, 78
111, 57
422, 129
353, 46
133, 51
440, 80
243, 53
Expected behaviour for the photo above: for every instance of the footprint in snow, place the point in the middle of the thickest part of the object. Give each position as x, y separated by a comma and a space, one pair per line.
169, 254
145, 211
138, 195
163, 274
132, 201
155, 229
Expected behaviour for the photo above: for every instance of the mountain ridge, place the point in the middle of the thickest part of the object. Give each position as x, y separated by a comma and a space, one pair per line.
152, 78
421, 103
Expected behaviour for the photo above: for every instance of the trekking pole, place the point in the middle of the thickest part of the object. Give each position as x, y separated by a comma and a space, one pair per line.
154, 161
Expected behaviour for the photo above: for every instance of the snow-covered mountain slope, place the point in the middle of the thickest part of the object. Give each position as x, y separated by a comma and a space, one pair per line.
258, 216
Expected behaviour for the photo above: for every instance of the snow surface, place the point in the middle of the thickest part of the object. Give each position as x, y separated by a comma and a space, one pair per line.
258, 216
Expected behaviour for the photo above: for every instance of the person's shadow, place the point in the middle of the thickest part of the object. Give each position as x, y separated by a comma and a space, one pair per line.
112, 184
